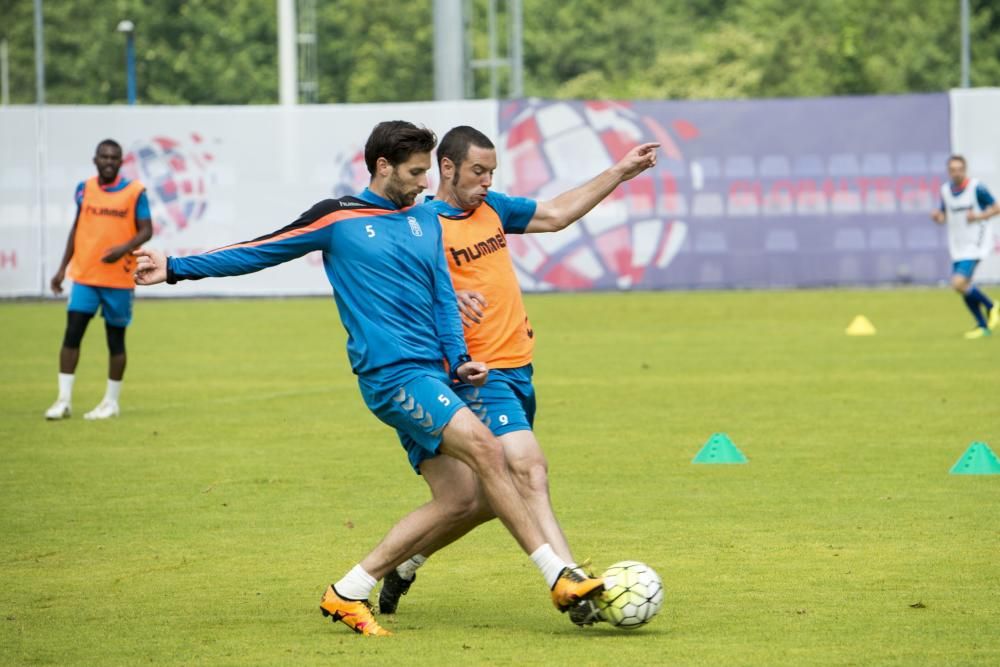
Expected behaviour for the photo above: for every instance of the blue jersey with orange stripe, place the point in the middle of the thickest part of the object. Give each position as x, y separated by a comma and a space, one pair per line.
387, 268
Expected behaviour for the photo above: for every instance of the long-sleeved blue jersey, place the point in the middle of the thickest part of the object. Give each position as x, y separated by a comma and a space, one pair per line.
388, 271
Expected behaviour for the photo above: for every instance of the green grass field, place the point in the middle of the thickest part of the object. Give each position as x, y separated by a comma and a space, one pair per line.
245, 474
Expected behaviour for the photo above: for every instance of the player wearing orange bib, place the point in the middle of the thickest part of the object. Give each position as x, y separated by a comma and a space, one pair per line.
112, 220
476, 223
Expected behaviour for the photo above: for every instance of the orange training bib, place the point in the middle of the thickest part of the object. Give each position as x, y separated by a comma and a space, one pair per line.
476, 248
106, 219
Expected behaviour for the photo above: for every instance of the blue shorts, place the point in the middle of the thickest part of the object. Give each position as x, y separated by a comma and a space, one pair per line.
506, 403
964, 267
416, 400
115, 303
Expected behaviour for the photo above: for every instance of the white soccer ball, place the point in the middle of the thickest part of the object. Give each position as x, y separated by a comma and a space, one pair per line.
633, 594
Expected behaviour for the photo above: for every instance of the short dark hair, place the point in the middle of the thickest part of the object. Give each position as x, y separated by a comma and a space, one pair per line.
108, 142
455, 144
957, 158
396, 141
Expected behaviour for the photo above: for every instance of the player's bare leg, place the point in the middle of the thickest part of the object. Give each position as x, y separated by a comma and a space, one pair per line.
468, 440
529, 470
69, 358
455, 504
454, 493
116, 366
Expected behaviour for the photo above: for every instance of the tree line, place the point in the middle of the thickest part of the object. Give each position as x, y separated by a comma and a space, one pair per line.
224, 51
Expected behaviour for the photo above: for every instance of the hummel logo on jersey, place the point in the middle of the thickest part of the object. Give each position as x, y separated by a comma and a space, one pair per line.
106, 211
474, 252
347, 202
414, 226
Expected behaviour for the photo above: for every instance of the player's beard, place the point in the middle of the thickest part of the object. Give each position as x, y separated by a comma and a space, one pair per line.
395, 191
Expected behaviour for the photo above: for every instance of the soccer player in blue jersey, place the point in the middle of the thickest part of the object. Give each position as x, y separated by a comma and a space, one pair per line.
385, 262
966, 209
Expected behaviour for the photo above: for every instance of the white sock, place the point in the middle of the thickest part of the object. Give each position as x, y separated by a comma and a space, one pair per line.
549, 563
408, 570
66, 386
356, 584
113, 391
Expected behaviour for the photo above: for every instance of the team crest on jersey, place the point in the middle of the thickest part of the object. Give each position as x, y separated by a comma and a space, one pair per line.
414, 226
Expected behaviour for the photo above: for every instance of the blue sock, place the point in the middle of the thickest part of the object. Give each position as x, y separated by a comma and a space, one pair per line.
977, 294
973, 305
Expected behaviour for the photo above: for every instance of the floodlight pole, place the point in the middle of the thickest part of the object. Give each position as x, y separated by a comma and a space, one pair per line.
288, 69
516, 49
491, 31
4, 74
965, 44
449, 50
39, 55
40, 140
128, 28
513, 58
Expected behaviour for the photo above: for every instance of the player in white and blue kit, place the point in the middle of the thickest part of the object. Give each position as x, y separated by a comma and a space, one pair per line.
966, 208
385, 261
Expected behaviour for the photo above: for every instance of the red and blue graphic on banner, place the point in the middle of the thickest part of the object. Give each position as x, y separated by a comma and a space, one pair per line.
746, 193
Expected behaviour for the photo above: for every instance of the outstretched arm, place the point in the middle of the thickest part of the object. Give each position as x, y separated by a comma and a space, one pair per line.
570, 206
151, 267
310, 232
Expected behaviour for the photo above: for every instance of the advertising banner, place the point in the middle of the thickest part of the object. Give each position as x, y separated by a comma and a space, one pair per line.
746, 193
754, 193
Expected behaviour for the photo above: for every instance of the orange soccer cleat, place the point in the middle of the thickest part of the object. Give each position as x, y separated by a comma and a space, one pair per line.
573, 586
355, 614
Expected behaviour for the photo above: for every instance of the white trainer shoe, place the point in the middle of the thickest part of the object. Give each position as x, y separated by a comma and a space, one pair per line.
60, 410
105, 410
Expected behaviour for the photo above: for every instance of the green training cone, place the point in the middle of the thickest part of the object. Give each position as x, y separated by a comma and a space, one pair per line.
719, 449
978, 459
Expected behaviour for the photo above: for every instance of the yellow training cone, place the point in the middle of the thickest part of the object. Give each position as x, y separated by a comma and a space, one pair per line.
860, 326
